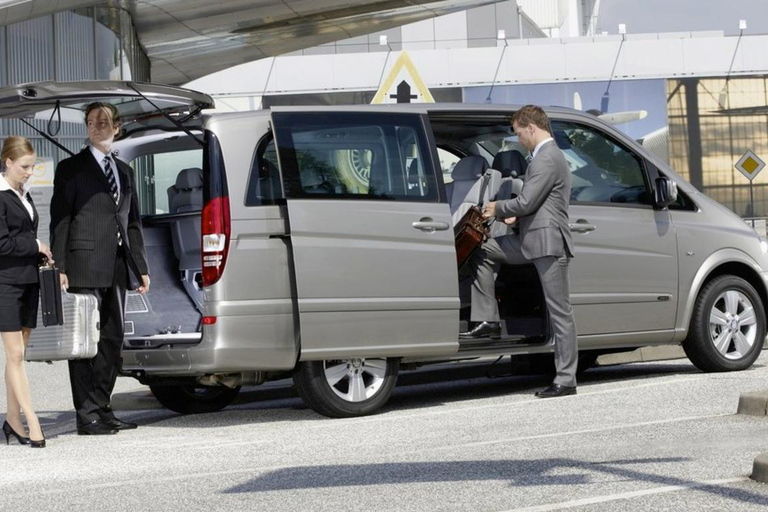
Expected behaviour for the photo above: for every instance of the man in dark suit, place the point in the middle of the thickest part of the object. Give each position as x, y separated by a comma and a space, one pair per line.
541, 210
97, 242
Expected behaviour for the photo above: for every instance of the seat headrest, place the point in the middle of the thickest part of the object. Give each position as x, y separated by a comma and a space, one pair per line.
310, 178
562, 140
413, 167
507, 162
189, 179
469, 168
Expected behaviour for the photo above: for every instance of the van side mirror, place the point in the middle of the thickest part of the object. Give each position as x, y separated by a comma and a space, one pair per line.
664, 192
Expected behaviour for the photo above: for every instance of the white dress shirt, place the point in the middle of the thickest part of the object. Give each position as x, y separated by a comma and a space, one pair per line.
538, 147
4, 185
99, 156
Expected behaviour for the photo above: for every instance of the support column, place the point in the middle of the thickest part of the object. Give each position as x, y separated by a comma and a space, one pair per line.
695, 168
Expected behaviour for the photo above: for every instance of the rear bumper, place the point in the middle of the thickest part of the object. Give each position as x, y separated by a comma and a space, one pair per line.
232, 344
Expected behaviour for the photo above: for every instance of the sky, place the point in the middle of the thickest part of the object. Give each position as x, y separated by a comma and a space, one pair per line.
651, 16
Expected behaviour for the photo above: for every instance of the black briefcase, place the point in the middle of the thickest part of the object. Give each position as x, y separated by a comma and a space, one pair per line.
50, 296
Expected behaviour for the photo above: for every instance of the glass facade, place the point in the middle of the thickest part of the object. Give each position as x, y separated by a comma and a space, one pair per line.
84, 44
712, 122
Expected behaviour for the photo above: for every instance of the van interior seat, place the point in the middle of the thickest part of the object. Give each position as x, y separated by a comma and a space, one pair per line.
510, 163
186, 195
414, 181
314, 182
467, 182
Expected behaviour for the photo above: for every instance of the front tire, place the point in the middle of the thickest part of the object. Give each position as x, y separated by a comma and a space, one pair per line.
190, 399
728, 325
346, 388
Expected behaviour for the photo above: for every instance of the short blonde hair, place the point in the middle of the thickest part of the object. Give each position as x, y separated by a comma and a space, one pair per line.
15, 147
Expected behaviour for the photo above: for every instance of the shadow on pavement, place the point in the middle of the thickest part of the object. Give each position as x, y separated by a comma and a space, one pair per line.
520, 473
432, 386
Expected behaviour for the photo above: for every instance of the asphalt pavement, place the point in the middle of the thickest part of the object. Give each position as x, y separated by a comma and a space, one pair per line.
643, 436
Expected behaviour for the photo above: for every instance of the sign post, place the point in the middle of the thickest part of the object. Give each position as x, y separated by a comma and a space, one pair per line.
750, 166
403, 84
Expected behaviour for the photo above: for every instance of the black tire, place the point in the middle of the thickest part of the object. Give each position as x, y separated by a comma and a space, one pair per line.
189, 399
700, 346
327, 399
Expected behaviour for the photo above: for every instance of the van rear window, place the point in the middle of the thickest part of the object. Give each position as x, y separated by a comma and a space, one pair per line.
355, 155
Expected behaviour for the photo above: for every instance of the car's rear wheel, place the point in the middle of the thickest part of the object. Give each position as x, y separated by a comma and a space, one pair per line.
727, 327
191, 399
344, 388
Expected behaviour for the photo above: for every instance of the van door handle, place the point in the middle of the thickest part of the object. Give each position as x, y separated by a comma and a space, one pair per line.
581, 226
429, 225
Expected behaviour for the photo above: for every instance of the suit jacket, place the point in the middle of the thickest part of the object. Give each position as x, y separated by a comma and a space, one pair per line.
85, 221
542, 206
18, 240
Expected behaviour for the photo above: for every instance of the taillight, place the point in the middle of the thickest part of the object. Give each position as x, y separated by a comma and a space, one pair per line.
215, 231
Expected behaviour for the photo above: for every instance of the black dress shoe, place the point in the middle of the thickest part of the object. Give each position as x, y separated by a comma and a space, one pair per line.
556, 390
96, 428
483, 330
120, 424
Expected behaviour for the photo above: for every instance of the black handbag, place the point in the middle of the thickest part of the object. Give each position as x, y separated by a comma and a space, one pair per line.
50, 296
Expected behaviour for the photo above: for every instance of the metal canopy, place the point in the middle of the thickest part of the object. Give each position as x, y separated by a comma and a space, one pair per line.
187, 39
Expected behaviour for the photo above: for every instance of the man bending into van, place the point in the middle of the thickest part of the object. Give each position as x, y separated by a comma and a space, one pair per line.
542, 212
95, 236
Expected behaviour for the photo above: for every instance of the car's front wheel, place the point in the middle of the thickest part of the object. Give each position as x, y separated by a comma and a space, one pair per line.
727, 327
345, 388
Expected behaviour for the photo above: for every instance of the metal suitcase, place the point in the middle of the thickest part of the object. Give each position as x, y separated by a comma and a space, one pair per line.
77, 339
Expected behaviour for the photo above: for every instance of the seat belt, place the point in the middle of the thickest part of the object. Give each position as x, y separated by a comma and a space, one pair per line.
483, 187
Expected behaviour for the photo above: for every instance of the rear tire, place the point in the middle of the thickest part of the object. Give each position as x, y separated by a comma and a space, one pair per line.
190, 399
346, 388
728, 325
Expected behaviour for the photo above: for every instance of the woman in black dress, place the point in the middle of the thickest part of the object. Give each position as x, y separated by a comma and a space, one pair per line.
19, 289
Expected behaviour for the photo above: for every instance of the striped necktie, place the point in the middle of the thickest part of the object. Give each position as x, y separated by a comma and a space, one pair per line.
110, 178
112, 188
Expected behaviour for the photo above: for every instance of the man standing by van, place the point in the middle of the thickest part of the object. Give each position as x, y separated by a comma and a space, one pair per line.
545, 239
97, 242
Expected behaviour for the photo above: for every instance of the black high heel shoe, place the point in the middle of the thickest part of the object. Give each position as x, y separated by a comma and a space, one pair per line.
8, 431
37, 444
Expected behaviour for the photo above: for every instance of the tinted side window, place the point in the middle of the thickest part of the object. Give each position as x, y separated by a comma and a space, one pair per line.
264, 182
355, 156
602, 170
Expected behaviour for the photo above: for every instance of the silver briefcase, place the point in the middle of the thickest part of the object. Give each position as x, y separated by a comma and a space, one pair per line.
78, 338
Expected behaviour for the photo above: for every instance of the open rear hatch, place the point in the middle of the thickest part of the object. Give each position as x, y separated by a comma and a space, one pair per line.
138, 103
171, 311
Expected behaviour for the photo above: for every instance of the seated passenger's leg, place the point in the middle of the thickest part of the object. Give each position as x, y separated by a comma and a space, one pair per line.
485, 263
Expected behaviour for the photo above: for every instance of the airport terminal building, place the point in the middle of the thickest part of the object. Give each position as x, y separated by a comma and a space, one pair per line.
700, 100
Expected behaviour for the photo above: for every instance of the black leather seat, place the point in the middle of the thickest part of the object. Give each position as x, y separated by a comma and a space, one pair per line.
510, 163
186, 195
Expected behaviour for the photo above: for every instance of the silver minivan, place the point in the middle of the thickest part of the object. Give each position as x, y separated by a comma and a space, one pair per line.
318, 243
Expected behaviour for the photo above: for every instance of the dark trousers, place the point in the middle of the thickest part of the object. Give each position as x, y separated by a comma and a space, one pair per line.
93, 380
553, 275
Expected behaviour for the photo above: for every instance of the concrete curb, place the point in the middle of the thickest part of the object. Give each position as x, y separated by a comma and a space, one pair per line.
760, 468
754, 403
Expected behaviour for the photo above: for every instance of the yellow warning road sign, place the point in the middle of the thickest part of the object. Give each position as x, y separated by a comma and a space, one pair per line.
750, 165
403, 84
